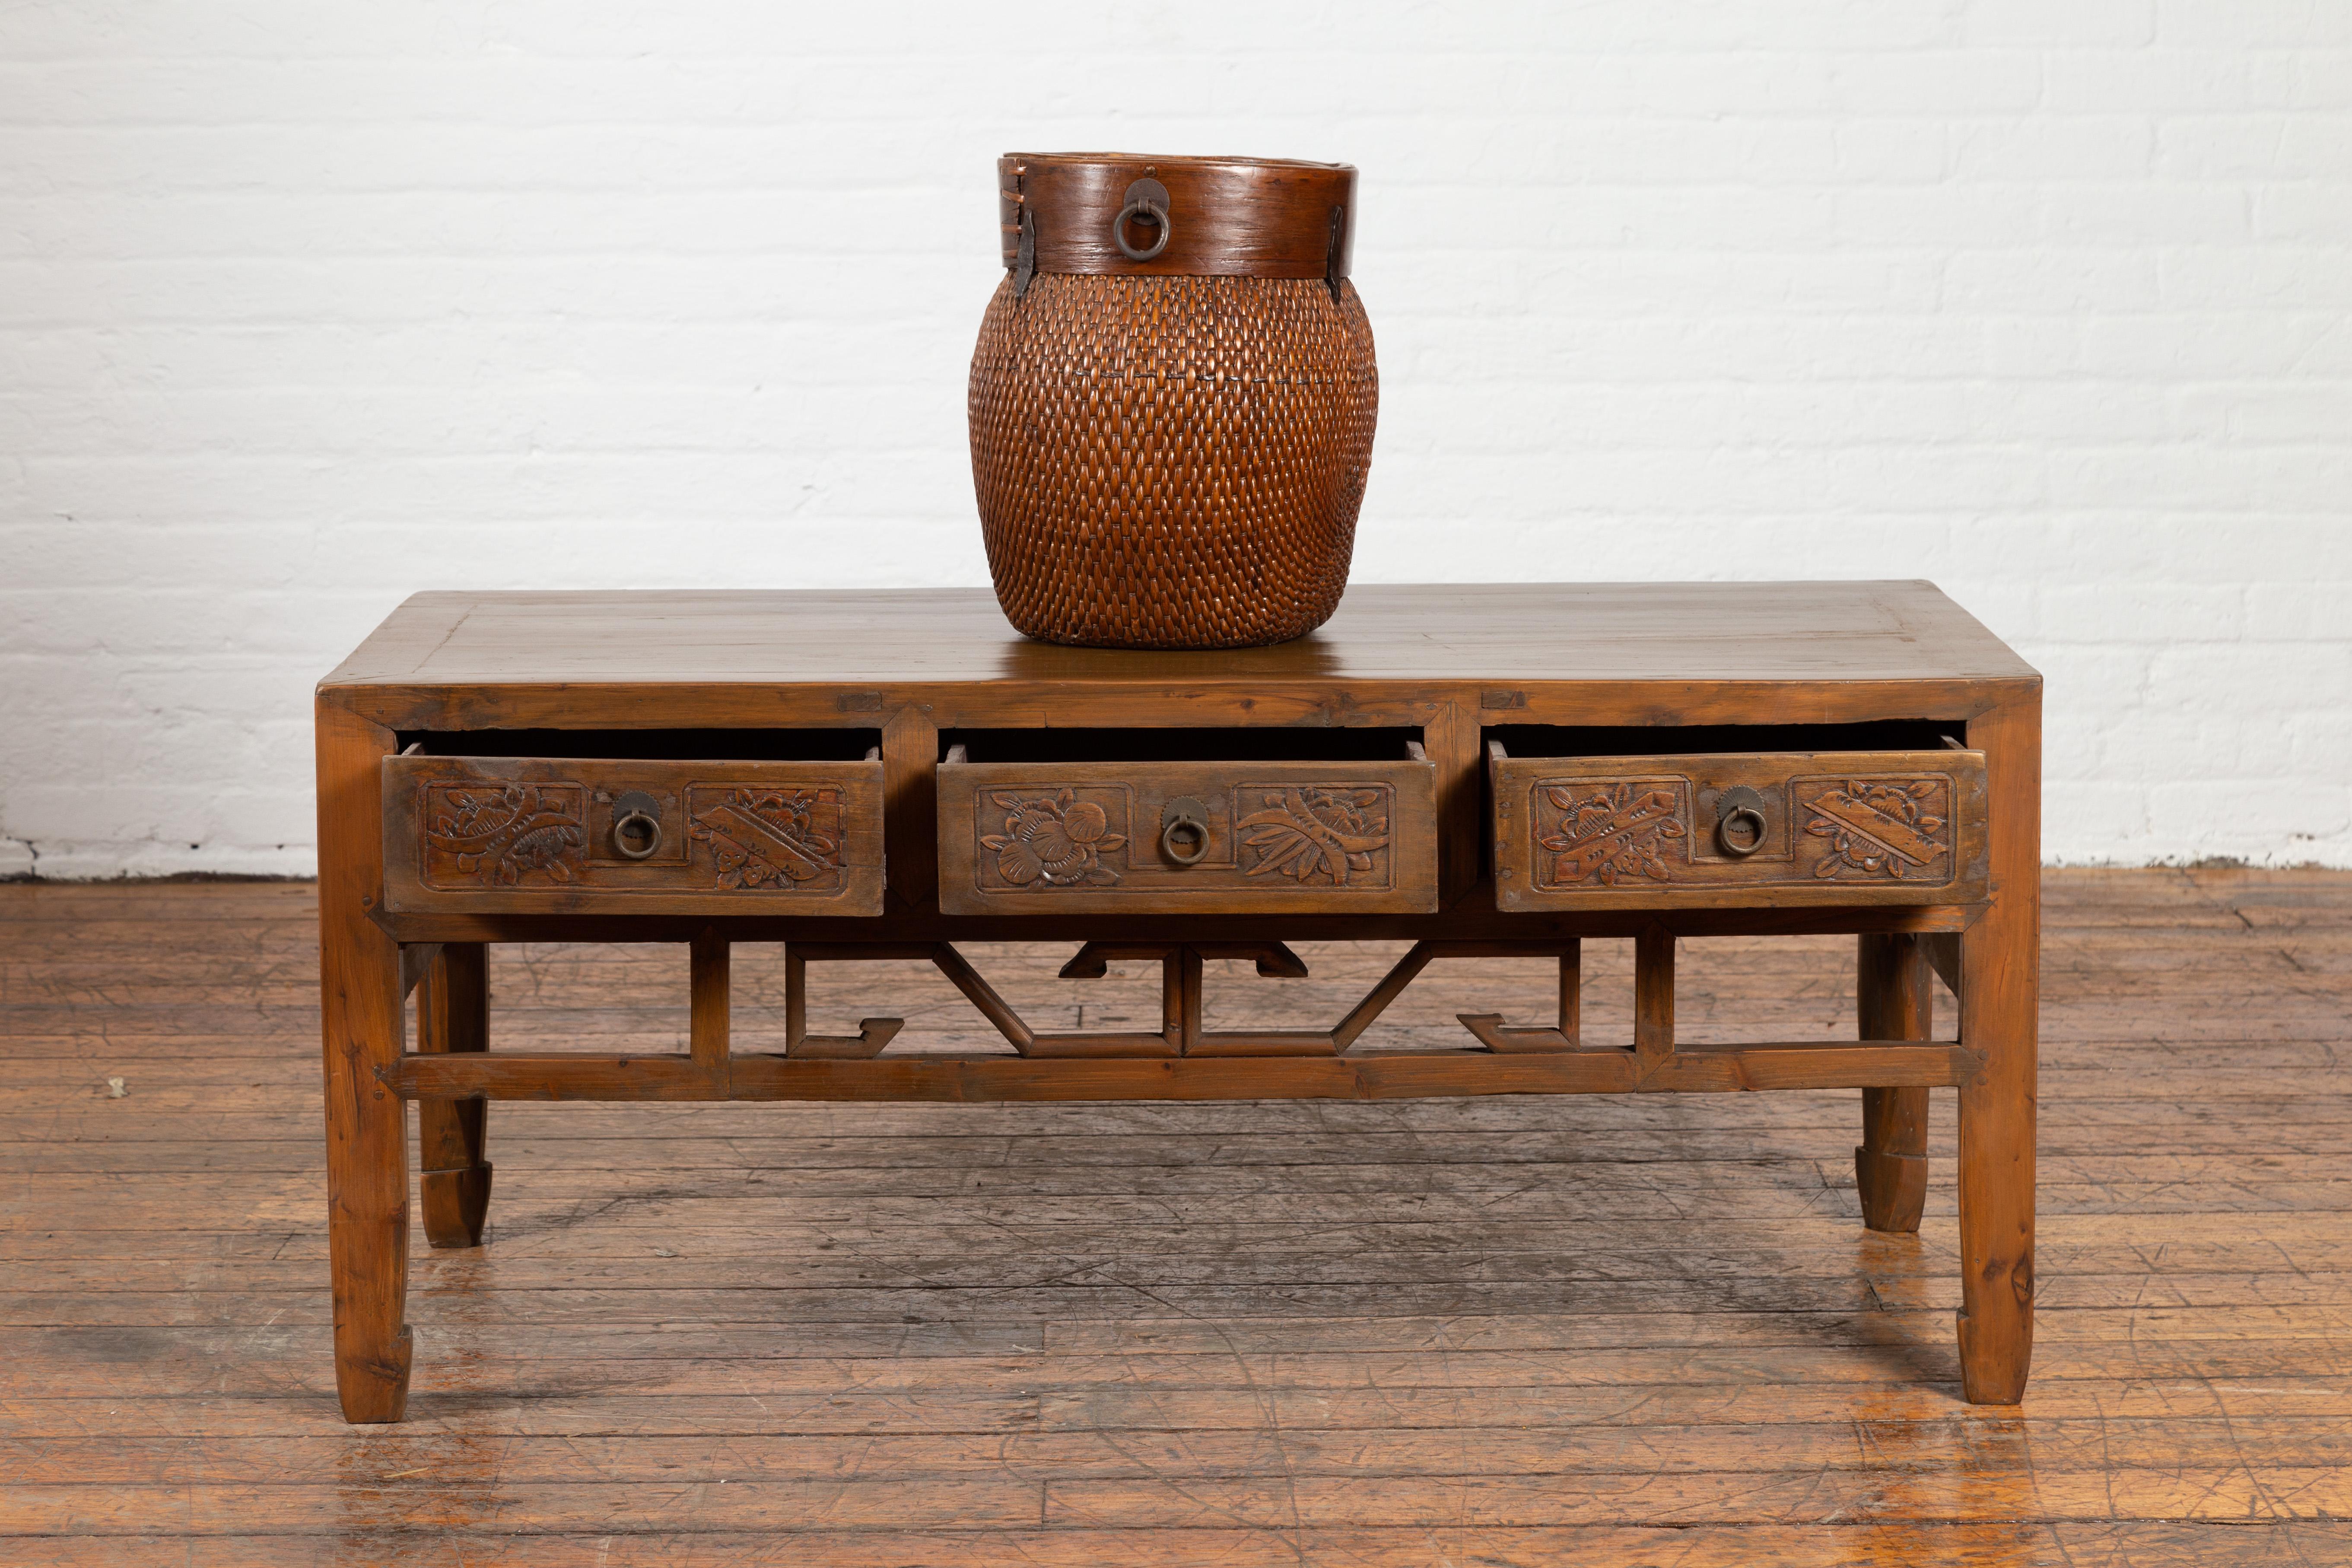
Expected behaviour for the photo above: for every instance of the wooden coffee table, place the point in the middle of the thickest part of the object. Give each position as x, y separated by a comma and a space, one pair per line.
1476, 771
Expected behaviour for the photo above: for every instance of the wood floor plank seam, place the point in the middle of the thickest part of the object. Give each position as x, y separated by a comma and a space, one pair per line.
1513, 1332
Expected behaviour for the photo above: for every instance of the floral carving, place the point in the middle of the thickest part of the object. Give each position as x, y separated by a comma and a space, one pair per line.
771, 838
1303, 833
1614, 833
497, 833
1057, 842
1877, 829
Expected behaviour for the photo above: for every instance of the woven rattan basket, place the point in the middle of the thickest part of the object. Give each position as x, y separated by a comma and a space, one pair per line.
1173, 399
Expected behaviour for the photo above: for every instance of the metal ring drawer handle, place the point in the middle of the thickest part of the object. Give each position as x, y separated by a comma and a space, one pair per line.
1739, 825
1145, 199
637, 826
1184, 830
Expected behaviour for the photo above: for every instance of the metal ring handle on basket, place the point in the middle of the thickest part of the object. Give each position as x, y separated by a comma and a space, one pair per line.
1145, 198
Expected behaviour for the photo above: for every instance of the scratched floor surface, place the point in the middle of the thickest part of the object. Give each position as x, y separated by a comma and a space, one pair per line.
1502, 1332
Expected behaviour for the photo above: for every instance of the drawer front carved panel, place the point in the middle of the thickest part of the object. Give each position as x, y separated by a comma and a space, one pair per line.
527, 834
782, 839
1611, 831
492, 835
1054, 838
1886, 827
1873, 827
1317, 832
1270, 838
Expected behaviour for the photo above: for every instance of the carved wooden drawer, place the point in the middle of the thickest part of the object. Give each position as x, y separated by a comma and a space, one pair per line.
1756, 829
561, 834
1263, 836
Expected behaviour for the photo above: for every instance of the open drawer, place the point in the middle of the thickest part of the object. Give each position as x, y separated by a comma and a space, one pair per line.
1755, 828
1027, 828
645, 834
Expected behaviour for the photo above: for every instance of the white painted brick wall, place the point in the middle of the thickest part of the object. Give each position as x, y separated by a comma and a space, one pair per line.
305, 306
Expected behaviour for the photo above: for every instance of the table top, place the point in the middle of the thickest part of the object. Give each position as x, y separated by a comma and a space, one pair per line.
1516, 633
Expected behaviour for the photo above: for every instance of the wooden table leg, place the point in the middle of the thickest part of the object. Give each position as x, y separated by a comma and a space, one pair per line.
367, 1162
452, 1013
1892, 988
2000, 997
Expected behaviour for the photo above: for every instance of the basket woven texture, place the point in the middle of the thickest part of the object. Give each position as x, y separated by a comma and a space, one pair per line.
1171, 462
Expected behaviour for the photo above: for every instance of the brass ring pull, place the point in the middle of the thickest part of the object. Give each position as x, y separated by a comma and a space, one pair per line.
1184, 831
1145, 199
637, 826
1739, 825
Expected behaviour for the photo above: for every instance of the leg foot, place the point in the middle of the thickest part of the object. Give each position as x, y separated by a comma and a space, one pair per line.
1894, 1186
372, 1382
457, 1203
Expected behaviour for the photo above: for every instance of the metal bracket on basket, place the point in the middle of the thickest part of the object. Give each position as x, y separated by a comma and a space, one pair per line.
1332, 275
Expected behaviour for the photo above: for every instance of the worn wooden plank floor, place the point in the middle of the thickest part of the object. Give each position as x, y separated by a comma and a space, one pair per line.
1498, 1331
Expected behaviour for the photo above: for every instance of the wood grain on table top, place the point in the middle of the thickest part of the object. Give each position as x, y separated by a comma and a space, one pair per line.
1536, 633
